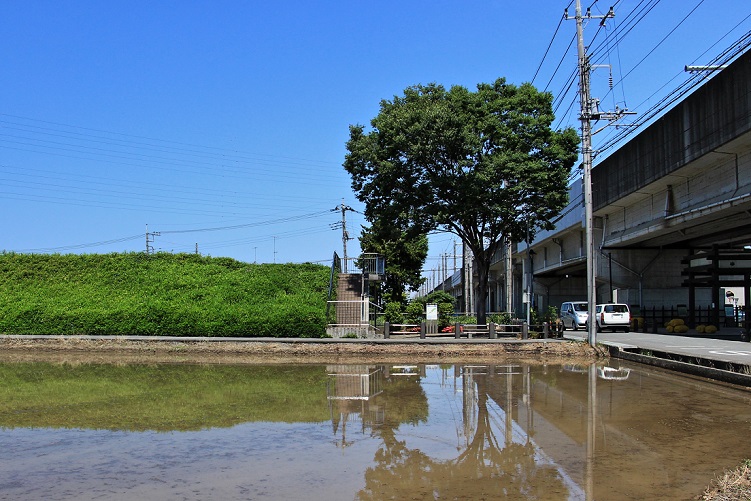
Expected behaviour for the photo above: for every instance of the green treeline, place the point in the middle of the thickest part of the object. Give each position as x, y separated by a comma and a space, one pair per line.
160, 294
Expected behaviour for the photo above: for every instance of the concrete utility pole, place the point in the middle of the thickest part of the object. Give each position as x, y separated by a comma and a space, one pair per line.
150, 239
345, 235
586, 133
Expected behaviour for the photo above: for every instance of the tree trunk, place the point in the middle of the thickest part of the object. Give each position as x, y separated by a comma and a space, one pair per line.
482, 290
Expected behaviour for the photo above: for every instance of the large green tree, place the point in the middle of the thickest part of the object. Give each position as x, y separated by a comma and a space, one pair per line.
404, 252
484, 165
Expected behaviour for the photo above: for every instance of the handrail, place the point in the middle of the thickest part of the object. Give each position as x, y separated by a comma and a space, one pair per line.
335, 265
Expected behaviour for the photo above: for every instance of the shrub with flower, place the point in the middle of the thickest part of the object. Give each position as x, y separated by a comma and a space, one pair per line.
450, 328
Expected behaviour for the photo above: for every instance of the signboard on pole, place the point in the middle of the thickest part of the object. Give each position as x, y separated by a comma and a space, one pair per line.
431, 312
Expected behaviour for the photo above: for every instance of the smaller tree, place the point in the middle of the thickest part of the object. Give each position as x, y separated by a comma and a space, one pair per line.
404, 250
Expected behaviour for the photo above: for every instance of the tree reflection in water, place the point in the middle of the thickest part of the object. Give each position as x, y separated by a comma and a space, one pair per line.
490, 463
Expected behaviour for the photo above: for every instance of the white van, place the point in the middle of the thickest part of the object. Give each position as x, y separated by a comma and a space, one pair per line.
613, 316
574, 315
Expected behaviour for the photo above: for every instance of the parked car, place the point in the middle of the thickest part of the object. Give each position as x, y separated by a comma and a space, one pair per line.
574, 314
613, 316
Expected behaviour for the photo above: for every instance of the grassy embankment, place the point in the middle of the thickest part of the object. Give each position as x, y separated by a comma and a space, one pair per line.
162, 294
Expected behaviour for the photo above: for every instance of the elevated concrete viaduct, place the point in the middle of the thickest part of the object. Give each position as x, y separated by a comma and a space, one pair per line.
681, 186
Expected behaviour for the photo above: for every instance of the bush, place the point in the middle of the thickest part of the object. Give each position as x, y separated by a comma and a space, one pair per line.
162, 294
414, 312
392, 313
500, 318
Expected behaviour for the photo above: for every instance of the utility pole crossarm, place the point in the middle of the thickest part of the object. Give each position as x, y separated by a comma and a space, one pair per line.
345, 235
150, 239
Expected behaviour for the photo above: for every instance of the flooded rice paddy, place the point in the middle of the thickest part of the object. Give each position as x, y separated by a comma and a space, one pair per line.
364, 432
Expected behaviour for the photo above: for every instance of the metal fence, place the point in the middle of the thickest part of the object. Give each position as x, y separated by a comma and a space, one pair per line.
651, 319
365, 263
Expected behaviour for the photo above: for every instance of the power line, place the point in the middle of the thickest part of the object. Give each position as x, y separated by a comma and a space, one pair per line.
300, 217
83, 246
659, 43
560, 21
147, 138
739, 47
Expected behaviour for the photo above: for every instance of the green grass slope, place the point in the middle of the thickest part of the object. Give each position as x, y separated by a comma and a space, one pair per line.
161, 294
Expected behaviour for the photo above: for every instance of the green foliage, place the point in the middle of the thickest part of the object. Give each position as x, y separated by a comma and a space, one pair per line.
465, 319
392, 313
415, 310
439, 297
550, 314
534, 317
484, 165
414, 313
161, 294
445, 314
404, 253
500, 318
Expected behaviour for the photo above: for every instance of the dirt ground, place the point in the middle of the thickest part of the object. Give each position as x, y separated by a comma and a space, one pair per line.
88, 350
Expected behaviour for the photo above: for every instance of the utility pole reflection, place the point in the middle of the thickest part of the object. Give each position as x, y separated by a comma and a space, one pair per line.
591, 430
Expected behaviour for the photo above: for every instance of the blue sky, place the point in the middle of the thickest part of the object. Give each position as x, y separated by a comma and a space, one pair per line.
223, 124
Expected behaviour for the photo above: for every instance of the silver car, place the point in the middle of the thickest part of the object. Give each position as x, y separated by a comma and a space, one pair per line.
574, 314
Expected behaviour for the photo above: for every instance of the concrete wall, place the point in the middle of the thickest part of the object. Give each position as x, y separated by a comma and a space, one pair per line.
713, 115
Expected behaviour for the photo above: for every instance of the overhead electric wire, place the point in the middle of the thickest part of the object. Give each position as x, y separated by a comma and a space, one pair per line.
658, 44
621, 131
728, 55
142, 160
548, 49
278, 234
141, 138
561, 96
631, 21
682, 72
160, 193
251, 225
563, 58
83, 246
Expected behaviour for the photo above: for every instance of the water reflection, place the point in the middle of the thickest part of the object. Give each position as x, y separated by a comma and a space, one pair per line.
364, 432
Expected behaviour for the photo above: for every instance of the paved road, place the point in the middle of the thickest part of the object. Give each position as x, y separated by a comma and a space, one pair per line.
737, 352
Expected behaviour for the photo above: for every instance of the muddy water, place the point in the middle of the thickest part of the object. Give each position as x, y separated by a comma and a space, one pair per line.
364, 432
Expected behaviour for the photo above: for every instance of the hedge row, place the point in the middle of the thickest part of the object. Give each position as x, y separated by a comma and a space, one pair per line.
162, 294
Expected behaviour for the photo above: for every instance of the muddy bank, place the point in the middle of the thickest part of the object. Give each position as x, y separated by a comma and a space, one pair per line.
93, 350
